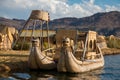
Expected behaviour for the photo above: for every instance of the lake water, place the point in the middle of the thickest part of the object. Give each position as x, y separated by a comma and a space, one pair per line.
111, 71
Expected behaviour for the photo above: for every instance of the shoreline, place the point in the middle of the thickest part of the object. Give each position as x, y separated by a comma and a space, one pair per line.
11, 60
110, 51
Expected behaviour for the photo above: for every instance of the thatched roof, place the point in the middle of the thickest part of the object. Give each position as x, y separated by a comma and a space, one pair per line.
36, 33
39, 14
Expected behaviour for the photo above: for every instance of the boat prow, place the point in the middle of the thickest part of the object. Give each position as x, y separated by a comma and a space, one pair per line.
38, 59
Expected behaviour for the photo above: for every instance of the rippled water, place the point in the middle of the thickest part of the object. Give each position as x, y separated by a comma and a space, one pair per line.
111, 71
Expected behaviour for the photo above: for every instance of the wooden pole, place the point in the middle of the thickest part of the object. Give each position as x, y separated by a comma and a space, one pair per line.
20, 33
24, 38
85, 47
48, 35
41, 36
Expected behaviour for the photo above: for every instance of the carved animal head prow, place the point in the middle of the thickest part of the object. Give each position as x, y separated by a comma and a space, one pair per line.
66, 42
35, 42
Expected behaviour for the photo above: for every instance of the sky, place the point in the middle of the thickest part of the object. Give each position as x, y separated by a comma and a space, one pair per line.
21, 9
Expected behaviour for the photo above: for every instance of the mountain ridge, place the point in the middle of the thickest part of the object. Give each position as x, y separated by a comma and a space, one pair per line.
105, 23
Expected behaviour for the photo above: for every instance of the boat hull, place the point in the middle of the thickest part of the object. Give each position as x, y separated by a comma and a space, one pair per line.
68, 63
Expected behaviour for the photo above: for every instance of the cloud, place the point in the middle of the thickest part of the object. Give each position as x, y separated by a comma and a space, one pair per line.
92, 1
112, 8
56, 8
63, 0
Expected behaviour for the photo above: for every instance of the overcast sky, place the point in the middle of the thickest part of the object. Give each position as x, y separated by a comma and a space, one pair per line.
21, 9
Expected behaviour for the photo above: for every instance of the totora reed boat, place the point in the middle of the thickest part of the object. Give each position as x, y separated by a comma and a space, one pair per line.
38, 58
74, 59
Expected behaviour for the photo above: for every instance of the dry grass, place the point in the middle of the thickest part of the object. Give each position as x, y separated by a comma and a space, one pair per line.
110, 51
13, 60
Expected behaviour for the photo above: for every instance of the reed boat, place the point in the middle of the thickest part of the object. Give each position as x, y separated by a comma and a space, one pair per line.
76, 60
38, 58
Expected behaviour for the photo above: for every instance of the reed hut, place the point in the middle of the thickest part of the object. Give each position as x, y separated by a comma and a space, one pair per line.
7, 36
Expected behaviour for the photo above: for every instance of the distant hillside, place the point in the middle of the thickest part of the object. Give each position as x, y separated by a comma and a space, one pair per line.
104, 23
12, 22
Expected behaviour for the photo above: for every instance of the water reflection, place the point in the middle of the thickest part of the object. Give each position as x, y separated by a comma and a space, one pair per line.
21, 75
6, 76
42, 75
52, 75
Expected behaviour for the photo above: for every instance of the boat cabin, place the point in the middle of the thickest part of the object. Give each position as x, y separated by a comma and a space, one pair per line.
83, 43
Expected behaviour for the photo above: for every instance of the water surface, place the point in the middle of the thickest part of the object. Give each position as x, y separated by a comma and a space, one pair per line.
111, 71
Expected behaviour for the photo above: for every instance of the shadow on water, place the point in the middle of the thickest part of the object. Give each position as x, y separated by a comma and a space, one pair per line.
54, 75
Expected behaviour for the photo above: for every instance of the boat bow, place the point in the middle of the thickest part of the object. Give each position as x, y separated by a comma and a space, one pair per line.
38, 59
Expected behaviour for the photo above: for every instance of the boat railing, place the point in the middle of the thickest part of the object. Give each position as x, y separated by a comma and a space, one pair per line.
93, 55
48, 49
93, 60
50, 52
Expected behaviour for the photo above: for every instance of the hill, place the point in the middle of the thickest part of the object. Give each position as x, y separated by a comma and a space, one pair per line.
104, 23
17, 23
107, 23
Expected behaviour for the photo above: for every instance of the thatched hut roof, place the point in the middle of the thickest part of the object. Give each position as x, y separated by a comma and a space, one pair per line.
39, 14
36, 33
